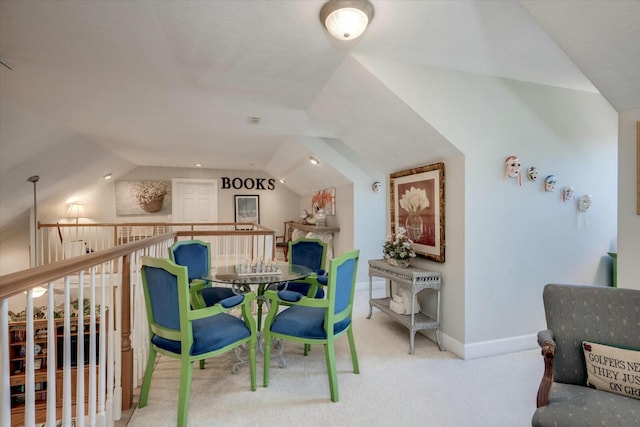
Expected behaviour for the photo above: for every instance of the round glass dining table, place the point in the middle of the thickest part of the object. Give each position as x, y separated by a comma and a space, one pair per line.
259, 281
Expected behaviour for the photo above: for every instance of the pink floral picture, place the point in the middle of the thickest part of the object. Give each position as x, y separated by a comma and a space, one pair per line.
417, 205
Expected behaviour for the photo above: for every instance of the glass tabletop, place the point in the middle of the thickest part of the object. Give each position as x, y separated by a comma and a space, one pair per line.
229, 274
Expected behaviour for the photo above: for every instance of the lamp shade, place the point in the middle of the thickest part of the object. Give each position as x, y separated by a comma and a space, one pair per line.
346, 19
76, 211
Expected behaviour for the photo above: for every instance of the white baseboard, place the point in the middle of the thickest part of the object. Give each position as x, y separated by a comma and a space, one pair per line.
484, 348
468, 351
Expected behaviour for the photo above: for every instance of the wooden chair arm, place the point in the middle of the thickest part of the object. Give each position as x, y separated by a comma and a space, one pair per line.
548, 353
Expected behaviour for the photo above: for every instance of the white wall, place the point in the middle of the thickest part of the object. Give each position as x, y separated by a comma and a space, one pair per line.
518, 238
628, 219
14, 246
275, 205
453, 272
360, 211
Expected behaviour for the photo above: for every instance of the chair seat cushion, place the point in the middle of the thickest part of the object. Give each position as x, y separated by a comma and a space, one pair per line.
209, 334
290, 296
581, 406
303, 288
214, 295
305, 322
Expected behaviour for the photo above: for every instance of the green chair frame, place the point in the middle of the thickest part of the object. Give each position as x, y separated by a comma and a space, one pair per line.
332, 316
185, 336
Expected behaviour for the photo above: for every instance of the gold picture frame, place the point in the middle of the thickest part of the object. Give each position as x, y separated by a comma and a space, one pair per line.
324, 199
417, 204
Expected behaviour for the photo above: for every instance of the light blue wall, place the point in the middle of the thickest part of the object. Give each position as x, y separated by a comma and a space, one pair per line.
517, 238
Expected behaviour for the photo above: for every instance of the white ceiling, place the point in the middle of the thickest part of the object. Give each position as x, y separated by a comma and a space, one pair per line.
163, 83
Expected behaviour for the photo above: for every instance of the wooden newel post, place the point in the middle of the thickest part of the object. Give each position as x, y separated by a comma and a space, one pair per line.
126, 351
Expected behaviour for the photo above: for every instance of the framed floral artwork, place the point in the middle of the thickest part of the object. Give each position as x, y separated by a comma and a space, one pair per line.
143, 197
417, 204
324, 199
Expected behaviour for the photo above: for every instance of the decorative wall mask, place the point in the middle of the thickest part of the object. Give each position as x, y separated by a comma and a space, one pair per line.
584, 203
550, 183
567, 194
532, 173
512, 168
376, 186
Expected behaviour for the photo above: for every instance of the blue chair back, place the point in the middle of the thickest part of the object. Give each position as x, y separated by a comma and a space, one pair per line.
195, 255
344, 285
163, 297
311, 253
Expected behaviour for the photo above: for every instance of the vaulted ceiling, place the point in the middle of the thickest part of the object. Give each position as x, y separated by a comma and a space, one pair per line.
117, 84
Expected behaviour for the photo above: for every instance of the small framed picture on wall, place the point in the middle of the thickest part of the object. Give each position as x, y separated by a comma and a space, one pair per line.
247, 209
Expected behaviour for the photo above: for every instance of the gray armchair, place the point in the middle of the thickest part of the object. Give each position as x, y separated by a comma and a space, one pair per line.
592, 313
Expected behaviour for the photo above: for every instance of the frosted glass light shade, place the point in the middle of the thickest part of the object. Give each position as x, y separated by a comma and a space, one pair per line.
346, 19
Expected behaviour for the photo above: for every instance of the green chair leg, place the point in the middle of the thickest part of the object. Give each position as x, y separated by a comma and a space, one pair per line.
267, 358
354, 355
252, 364
330, 355
307, 349
202, 364
146, 382
183, 393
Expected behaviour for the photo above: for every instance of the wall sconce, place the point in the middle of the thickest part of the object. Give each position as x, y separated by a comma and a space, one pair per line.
346, 19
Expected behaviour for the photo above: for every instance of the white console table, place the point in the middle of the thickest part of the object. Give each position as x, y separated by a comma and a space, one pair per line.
415, 279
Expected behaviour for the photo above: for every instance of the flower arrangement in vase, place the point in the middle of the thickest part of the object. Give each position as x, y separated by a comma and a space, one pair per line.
398, 249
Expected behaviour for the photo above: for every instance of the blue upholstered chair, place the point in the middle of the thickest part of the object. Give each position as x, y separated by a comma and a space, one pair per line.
311, 253
196, 256
316, 321
179, 331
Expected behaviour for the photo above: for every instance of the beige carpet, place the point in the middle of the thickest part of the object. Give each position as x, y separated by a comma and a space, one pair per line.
431, 388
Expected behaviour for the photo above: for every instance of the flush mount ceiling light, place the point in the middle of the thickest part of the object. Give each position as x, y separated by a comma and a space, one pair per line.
346, 19
314, 161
